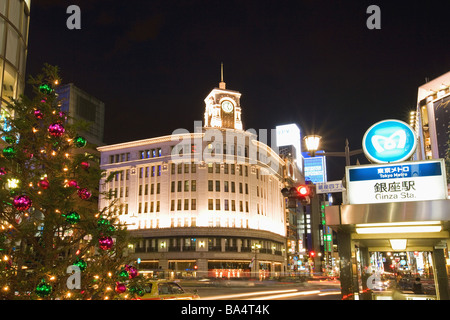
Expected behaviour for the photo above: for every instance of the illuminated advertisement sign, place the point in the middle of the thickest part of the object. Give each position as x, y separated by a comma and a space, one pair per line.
289, 135
389, 141
315, 168
401, 182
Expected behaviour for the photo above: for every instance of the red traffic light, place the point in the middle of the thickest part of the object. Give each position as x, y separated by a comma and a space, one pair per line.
303, 190
312, 254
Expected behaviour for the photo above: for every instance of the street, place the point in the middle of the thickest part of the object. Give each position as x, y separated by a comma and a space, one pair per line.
311, 290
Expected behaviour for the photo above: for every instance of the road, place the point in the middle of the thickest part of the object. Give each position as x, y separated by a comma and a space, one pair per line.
311, 290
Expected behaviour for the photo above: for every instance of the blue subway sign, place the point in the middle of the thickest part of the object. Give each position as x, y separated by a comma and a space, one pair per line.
389, 141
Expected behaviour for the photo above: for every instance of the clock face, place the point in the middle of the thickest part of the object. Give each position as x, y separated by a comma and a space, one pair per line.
227, 106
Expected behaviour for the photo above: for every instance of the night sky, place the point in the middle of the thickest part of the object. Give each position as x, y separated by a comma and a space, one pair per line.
314, 63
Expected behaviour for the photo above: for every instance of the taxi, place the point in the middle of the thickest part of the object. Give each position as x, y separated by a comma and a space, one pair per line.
166, 290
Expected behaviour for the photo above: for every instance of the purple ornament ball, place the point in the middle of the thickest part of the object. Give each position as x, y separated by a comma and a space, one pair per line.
56, 129
132, 271
22, 203
105, 243
84, 193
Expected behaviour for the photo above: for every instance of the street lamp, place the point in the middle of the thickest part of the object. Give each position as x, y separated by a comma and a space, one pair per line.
312, 145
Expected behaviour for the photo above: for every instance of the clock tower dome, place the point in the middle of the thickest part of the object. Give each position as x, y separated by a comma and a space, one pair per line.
223, 108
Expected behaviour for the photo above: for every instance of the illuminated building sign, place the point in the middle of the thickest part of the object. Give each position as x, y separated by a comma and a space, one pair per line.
389, 141
406, 181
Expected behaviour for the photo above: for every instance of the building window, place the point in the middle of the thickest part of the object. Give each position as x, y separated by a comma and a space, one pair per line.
186, 168
193, 204
172, 168
233, 205
140, 207
217, 167
186, 185
232, 168
146, 189
179, 204
172, 186
158, 188
179, 168
217, 185
240, 187
225, 186
246, 206
246, 188
210, 168
157, 206
153, 171
152, 188
186, 204
210, 185
217, 204
179, 186
225, 168
159, 170
194, 185
210, 204
240, 169
241, 206
145, 207
225, 205
193, 167
172, 205
233, 189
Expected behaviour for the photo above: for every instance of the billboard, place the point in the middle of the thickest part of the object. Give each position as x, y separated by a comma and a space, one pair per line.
399, 182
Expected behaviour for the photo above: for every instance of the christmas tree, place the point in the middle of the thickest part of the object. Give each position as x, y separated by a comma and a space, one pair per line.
55, 243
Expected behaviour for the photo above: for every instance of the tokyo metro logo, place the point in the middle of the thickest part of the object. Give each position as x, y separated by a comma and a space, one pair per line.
389, 141
381, 143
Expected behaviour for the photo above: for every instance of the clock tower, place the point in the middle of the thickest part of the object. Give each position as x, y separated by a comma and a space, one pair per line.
223, 108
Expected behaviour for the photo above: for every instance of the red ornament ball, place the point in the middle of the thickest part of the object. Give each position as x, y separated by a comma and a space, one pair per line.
38, 114
56, 129
84, 193
105, 243
22, 203
44, 184
120, 287
73, 184
85, 165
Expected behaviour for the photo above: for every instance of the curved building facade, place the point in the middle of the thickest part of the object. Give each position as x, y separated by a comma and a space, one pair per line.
206, 203
14, 23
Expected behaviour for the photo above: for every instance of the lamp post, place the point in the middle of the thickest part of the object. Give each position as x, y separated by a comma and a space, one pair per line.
255, 248
312, 145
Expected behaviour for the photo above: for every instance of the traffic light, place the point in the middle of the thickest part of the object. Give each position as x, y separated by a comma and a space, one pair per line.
304, 194
312, 254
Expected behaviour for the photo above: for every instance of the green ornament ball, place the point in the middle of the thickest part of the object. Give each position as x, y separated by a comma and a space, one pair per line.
72, 217
103, 222
43, 289
80, 263
79, 141
123, 275
9, 152
45, 88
